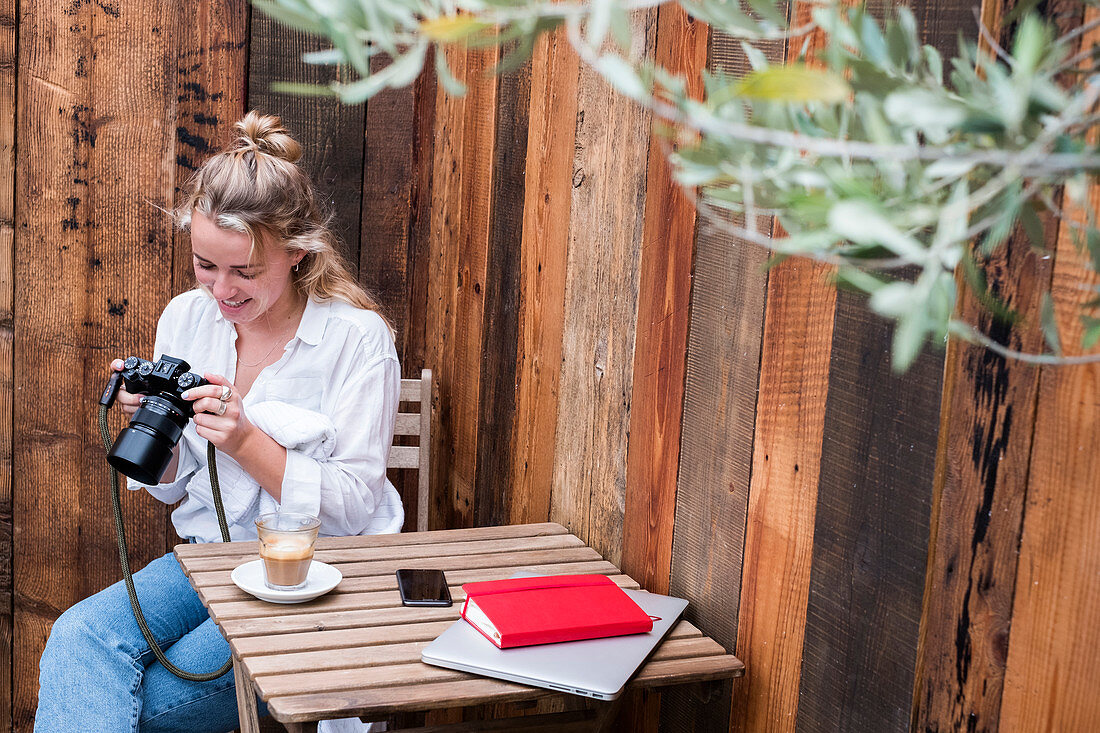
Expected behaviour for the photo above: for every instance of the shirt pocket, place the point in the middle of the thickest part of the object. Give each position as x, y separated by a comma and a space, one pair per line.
304, 392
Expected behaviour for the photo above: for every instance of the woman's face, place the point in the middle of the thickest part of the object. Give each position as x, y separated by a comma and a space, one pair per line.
244, 289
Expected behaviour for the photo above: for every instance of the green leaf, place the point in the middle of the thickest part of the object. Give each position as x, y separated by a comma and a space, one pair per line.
1092, 244
894, 300
795, 83
859, 222
757, 60
874, 45
301, 89
620, 27
452, 85
908, 340
599, 21
452, 28
1092, 332
767, 10
934, 62
1019, 10
1033, 227
1049, 324
327, 57
292, 18
622, 76
1030, 45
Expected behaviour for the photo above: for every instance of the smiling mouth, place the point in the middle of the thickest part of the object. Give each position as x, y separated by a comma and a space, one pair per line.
237, 303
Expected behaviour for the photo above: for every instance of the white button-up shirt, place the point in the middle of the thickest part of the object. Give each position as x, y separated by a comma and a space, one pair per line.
331, 400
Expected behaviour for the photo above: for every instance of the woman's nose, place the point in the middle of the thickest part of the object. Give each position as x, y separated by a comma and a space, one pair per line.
221, 287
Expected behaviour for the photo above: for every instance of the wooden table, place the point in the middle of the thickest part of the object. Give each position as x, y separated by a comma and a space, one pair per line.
356, 650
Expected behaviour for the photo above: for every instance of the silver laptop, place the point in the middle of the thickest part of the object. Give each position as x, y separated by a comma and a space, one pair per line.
596, 668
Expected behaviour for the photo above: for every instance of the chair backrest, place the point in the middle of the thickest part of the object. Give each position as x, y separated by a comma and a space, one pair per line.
419, 423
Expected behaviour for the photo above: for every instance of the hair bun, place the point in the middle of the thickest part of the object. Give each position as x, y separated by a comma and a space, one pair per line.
266, 134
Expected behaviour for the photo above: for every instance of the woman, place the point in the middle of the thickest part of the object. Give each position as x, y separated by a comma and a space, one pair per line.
304, 385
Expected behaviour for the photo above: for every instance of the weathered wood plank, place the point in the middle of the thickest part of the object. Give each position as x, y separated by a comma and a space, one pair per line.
871, 533
790, 419
977, 514
8, 81
211, 60
549, 562
1049, 680
543, 253
358, 584
409, 552
95, 270
389, 175
606, 225
723, 365
456, 299
497, 405
664, 300
331, 133
460, 692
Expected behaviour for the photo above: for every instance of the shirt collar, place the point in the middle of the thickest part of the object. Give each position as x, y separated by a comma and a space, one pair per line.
310, 329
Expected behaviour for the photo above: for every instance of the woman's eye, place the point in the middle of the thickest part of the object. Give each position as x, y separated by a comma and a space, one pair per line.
204, 266
248, 275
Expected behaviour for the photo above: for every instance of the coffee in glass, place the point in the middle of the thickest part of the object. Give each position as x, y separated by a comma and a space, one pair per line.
286, 548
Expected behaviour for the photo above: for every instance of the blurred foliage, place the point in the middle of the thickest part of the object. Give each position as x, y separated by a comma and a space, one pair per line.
878, 155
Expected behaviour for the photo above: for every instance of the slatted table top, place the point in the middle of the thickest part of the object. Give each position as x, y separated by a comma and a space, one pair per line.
356, 650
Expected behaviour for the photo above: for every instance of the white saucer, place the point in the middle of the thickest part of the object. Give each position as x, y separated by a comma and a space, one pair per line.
321, 579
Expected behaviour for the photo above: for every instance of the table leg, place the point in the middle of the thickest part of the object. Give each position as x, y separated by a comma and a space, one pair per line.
247, 714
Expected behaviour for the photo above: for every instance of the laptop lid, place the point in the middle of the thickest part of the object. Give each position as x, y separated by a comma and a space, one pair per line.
596, 668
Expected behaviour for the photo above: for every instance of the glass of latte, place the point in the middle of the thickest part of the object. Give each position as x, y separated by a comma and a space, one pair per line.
286, 548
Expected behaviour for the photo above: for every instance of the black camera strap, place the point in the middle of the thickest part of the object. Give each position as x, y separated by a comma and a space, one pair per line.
124, 556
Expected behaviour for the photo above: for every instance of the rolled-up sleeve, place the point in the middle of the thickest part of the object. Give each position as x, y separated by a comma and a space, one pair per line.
345, 488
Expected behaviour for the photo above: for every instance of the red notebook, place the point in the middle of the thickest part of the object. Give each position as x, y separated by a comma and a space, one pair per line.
544, 610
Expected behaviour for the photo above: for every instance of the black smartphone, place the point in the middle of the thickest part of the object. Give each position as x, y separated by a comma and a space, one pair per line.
423, 588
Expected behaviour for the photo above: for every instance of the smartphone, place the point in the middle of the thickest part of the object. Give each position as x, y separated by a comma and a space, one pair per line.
423, 588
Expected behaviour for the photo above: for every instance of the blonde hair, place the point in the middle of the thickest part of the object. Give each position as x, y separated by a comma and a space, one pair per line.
255, 186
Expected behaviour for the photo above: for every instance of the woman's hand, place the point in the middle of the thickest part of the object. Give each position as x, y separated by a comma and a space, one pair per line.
221, 421
129, 402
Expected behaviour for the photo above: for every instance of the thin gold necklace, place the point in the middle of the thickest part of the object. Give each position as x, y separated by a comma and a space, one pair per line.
282, 338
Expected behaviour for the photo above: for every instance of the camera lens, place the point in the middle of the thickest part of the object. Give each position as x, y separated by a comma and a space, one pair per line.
144, 448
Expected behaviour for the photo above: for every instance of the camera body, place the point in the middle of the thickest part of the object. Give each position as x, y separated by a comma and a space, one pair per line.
143, 449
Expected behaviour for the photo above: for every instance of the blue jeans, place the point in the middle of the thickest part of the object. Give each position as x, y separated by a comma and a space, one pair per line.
97, 673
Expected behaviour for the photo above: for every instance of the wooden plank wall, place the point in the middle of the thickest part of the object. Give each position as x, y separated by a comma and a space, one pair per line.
730, 435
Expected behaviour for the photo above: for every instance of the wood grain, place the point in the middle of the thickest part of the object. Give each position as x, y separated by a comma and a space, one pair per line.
95, 132
1048, 680
211, 62
601, 293
790, 419
721, 382
981, 485
8, 82
664, 300
497, 406
871, 531
331, 133
389, 176
543, 253
460, 226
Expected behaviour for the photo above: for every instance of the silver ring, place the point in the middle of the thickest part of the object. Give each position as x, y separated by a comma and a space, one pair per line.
226, 394
221, 409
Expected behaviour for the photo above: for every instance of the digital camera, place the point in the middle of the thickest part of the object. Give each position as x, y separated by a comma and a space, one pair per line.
143, 449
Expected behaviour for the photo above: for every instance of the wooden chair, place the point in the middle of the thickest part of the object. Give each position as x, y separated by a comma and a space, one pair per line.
418, 392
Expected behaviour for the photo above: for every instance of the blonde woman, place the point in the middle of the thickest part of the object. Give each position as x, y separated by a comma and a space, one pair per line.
304, 385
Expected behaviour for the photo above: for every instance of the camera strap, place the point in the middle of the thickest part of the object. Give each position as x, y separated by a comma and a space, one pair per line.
124, 557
